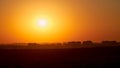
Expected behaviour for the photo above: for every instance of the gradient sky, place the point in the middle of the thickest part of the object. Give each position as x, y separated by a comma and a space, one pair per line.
76, 20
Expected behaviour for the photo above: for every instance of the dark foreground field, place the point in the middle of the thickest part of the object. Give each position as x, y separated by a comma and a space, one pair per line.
96, 57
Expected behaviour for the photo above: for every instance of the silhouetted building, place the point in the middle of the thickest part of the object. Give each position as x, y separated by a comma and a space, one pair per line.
33, 44
59, 44
109, 42
19, 44
74, 43
87, 43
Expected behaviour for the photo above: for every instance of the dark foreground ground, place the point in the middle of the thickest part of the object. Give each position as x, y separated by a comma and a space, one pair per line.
97, 57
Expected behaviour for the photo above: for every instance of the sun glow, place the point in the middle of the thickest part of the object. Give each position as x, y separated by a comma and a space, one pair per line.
42, 23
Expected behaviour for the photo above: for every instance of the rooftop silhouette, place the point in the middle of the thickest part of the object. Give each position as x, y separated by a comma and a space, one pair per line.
70, 44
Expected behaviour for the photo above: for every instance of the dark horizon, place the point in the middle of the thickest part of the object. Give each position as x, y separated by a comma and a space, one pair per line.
66, 42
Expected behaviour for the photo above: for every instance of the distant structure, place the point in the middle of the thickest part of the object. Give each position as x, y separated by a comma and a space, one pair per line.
87, 43
33, 44
73, 43
109, 42
70, 44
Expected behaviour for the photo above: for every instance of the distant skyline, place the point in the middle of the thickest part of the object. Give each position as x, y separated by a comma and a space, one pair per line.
41, 21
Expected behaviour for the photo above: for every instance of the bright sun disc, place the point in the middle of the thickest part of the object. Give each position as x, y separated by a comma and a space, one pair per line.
42, 23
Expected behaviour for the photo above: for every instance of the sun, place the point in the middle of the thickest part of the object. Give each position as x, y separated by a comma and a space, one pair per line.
42, 23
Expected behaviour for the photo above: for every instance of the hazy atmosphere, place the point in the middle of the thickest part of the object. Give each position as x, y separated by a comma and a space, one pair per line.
59, 20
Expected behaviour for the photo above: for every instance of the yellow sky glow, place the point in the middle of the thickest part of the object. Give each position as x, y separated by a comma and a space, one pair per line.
47, 24
58, 20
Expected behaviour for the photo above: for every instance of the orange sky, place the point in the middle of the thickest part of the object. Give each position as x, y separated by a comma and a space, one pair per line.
67, 20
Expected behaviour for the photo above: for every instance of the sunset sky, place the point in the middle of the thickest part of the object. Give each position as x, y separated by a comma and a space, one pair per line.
59, 20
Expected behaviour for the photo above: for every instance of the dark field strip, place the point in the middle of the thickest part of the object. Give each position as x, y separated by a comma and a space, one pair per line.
96, 57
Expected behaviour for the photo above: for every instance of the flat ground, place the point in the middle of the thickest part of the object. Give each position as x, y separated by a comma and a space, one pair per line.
96, 57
